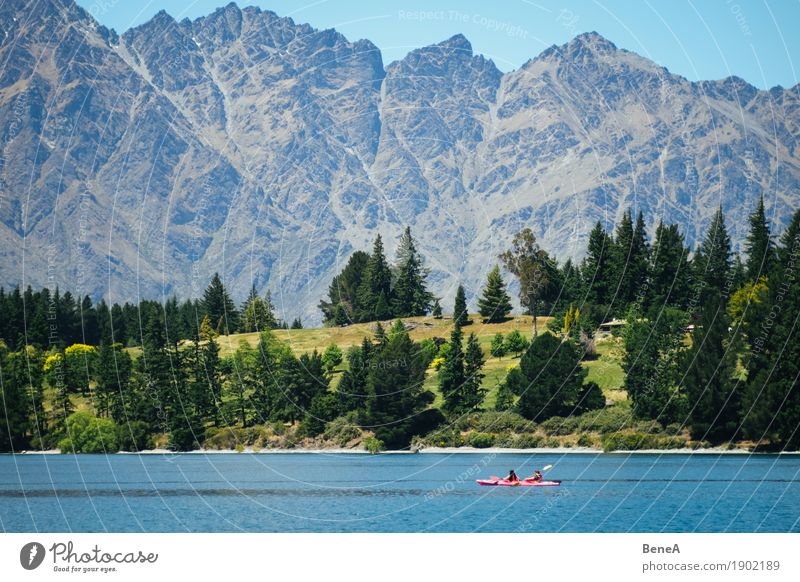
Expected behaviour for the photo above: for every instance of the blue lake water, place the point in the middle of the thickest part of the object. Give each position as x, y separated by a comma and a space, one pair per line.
397, 493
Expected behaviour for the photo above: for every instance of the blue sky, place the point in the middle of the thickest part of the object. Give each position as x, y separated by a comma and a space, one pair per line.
699, 39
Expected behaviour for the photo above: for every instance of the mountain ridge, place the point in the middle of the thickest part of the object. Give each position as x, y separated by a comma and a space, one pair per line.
226, 141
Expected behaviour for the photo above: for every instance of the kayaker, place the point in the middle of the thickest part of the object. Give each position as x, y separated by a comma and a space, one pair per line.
512, 476
537, 476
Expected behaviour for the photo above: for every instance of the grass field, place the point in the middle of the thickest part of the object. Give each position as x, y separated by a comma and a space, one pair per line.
605, 370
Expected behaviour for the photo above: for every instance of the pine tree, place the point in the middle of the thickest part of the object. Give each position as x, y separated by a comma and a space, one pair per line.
759, 247
410, 295
653, 348
258, 314
375, 293
219, 307
498, 347
549, 380
505, 398
495, 304
460, 314
397, 401
596, 269
344, 299
437, 309
16, 409
351, 394
473, 393
669, 269
297, 323
451, 374
713, 395
112, 372
771, 405
712, 263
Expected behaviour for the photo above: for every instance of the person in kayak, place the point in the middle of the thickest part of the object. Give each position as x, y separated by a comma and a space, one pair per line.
512, 476
537, 476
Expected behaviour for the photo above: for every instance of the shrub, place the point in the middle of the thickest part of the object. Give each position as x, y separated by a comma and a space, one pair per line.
585, 440
629, 441
481, 440
373, 445
134, 436
528, 441
341, 430
88, 434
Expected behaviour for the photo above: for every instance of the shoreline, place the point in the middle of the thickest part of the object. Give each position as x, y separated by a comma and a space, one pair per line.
431, 450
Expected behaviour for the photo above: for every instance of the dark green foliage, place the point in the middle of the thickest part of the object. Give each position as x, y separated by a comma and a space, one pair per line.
590, 398
410, 295
505, 398
713, 396
351, 393
396, 398
343, 304
550, 379
473, 393
597, 268
112, 373
219, 307
460, 314
629, 262
653, 347
759, 247
437, 309
15, 400
712, 263
257, 313
451, 374
495, 304
375, 292
297, 323
498, 347
669, 270
771, 405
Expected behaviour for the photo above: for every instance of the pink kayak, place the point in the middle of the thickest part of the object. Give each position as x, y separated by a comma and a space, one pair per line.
497, 482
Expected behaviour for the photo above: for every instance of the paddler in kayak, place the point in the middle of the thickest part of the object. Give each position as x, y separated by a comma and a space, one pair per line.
537, 476
512, 476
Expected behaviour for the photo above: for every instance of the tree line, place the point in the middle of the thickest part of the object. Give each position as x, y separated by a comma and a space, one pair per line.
709, 341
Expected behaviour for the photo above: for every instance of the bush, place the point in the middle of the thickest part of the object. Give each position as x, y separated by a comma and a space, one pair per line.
629, 441
444, 437
182, 439
585, 440
134, 436
342, 430
88, 434
494, 421
481, 440
528, 441
373, 445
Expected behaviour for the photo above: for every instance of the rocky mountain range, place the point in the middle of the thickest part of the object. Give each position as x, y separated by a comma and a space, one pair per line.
135, 166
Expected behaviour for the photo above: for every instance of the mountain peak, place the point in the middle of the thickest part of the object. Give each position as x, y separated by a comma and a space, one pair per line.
593, 40
457, 42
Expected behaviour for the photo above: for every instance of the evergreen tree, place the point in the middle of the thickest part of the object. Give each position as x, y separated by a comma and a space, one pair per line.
653, 347
669, 269
712, 263
771, 405
219, 307
351, 394
515, 342
596, 269
549, 380
258, 314
375, 293
713, 396
505, 398
112, 371
460, 314
473, 393
14, 398
297, 323
498, 347
437, 309
397, 399
495, 305
451, 374
410, 295
344, 301
759, 248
